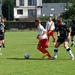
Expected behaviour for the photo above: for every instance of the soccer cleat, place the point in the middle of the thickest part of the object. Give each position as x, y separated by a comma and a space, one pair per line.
72, 58
54, 43
44, 55
0, 53
3, 46
53, 58
72, 45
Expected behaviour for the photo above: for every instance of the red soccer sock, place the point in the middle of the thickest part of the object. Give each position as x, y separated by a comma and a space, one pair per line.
48, 54
42, 50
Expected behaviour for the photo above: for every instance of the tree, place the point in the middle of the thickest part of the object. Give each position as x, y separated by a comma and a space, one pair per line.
8, 9
70, 12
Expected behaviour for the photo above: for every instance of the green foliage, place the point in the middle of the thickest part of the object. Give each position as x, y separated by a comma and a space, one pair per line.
44, 18
7, 25
69, 13
57, 1
8, 9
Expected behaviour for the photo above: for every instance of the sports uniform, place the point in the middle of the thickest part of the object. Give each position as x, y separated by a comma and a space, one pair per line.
63, 38
1, 36
55, 22
63, 33
43, 39
1, 33
72, 31
50, 27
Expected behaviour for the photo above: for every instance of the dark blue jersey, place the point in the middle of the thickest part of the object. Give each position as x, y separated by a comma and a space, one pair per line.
63, 30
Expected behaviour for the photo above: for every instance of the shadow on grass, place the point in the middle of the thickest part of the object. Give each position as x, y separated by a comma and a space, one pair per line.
38, 59
27, 59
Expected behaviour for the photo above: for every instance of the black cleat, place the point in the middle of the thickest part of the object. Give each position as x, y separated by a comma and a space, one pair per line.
3, 46
72, 45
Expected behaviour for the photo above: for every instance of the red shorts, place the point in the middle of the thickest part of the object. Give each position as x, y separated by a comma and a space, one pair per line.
43, 43
50, 33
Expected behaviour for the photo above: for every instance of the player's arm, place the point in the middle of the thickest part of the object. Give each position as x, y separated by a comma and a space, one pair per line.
68, 30
68, 36
3, 30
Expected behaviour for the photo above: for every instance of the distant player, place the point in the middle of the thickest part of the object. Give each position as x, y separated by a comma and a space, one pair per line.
1, 36
63, 38
55, 20
72, 31
3, 41
50, 27
43, 40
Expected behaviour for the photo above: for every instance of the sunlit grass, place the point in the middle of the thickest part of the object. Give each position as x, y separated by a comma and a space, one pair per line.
12, 62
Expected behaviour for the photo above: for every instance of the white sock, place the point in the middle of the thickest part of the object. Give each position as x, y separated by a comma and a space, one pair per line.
55, 52
70, 53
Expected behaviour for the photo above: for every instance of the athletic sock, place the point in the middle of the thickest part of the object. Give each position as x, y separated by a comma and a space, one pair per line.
40, 49
72, 42
55, 52
69, 51
48, 54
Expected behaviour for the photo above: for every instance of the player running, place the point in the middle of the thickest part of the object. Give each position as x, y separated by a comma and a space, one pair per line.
63, 38
43, 39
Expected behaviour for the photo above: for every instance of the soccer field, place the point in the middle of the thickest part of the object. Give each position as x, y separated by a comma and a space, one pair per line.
12, 62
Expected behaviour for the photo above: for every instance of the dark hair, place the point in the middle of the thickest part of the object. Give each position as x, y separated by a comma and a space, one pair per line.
37, 20
60, 20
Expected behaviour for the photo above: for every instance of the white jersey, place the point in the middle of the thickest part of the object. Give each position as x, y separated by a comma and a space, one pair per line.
41, 29
48, 25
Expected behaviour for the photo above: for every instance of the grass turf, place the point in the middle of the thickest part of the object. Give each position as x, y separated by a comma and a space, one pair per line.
12, 62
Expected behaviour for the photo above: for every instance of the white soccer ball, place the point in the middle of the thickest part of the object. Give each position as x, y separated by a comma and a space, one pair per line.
27, 55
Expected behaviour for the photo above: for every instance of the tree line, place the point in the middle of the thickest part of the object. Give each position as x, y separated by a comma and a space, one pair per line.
57, 1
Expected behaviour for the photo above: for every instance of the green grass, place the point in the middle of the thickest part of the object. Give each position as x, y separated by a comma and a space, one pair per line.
12, 62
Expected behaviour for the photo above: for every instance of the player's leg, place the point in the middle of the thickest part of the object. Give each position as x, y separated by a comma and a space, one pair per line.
46, 53
0, 47
42, 47
56, 49
53, 36
58, 43
68, 50
3, 43
39, 47
72, 38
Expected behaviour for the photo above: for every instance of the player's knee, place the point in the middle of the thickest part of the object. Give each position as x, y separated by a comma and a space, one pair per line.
56, 46
65, 46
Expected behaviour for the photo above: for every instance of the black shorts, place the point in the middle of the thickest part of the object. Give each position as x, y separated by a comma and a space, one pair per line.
2, 37
61, 40
72, 33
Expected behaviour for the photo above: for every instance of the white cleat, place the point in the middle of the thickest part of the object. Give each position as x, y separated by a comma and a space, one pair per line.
0, 53
53, 58
72, 58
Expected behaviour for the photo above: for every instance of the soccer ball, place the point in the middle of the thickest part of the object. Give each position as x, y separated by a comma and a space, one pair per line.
27, 55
